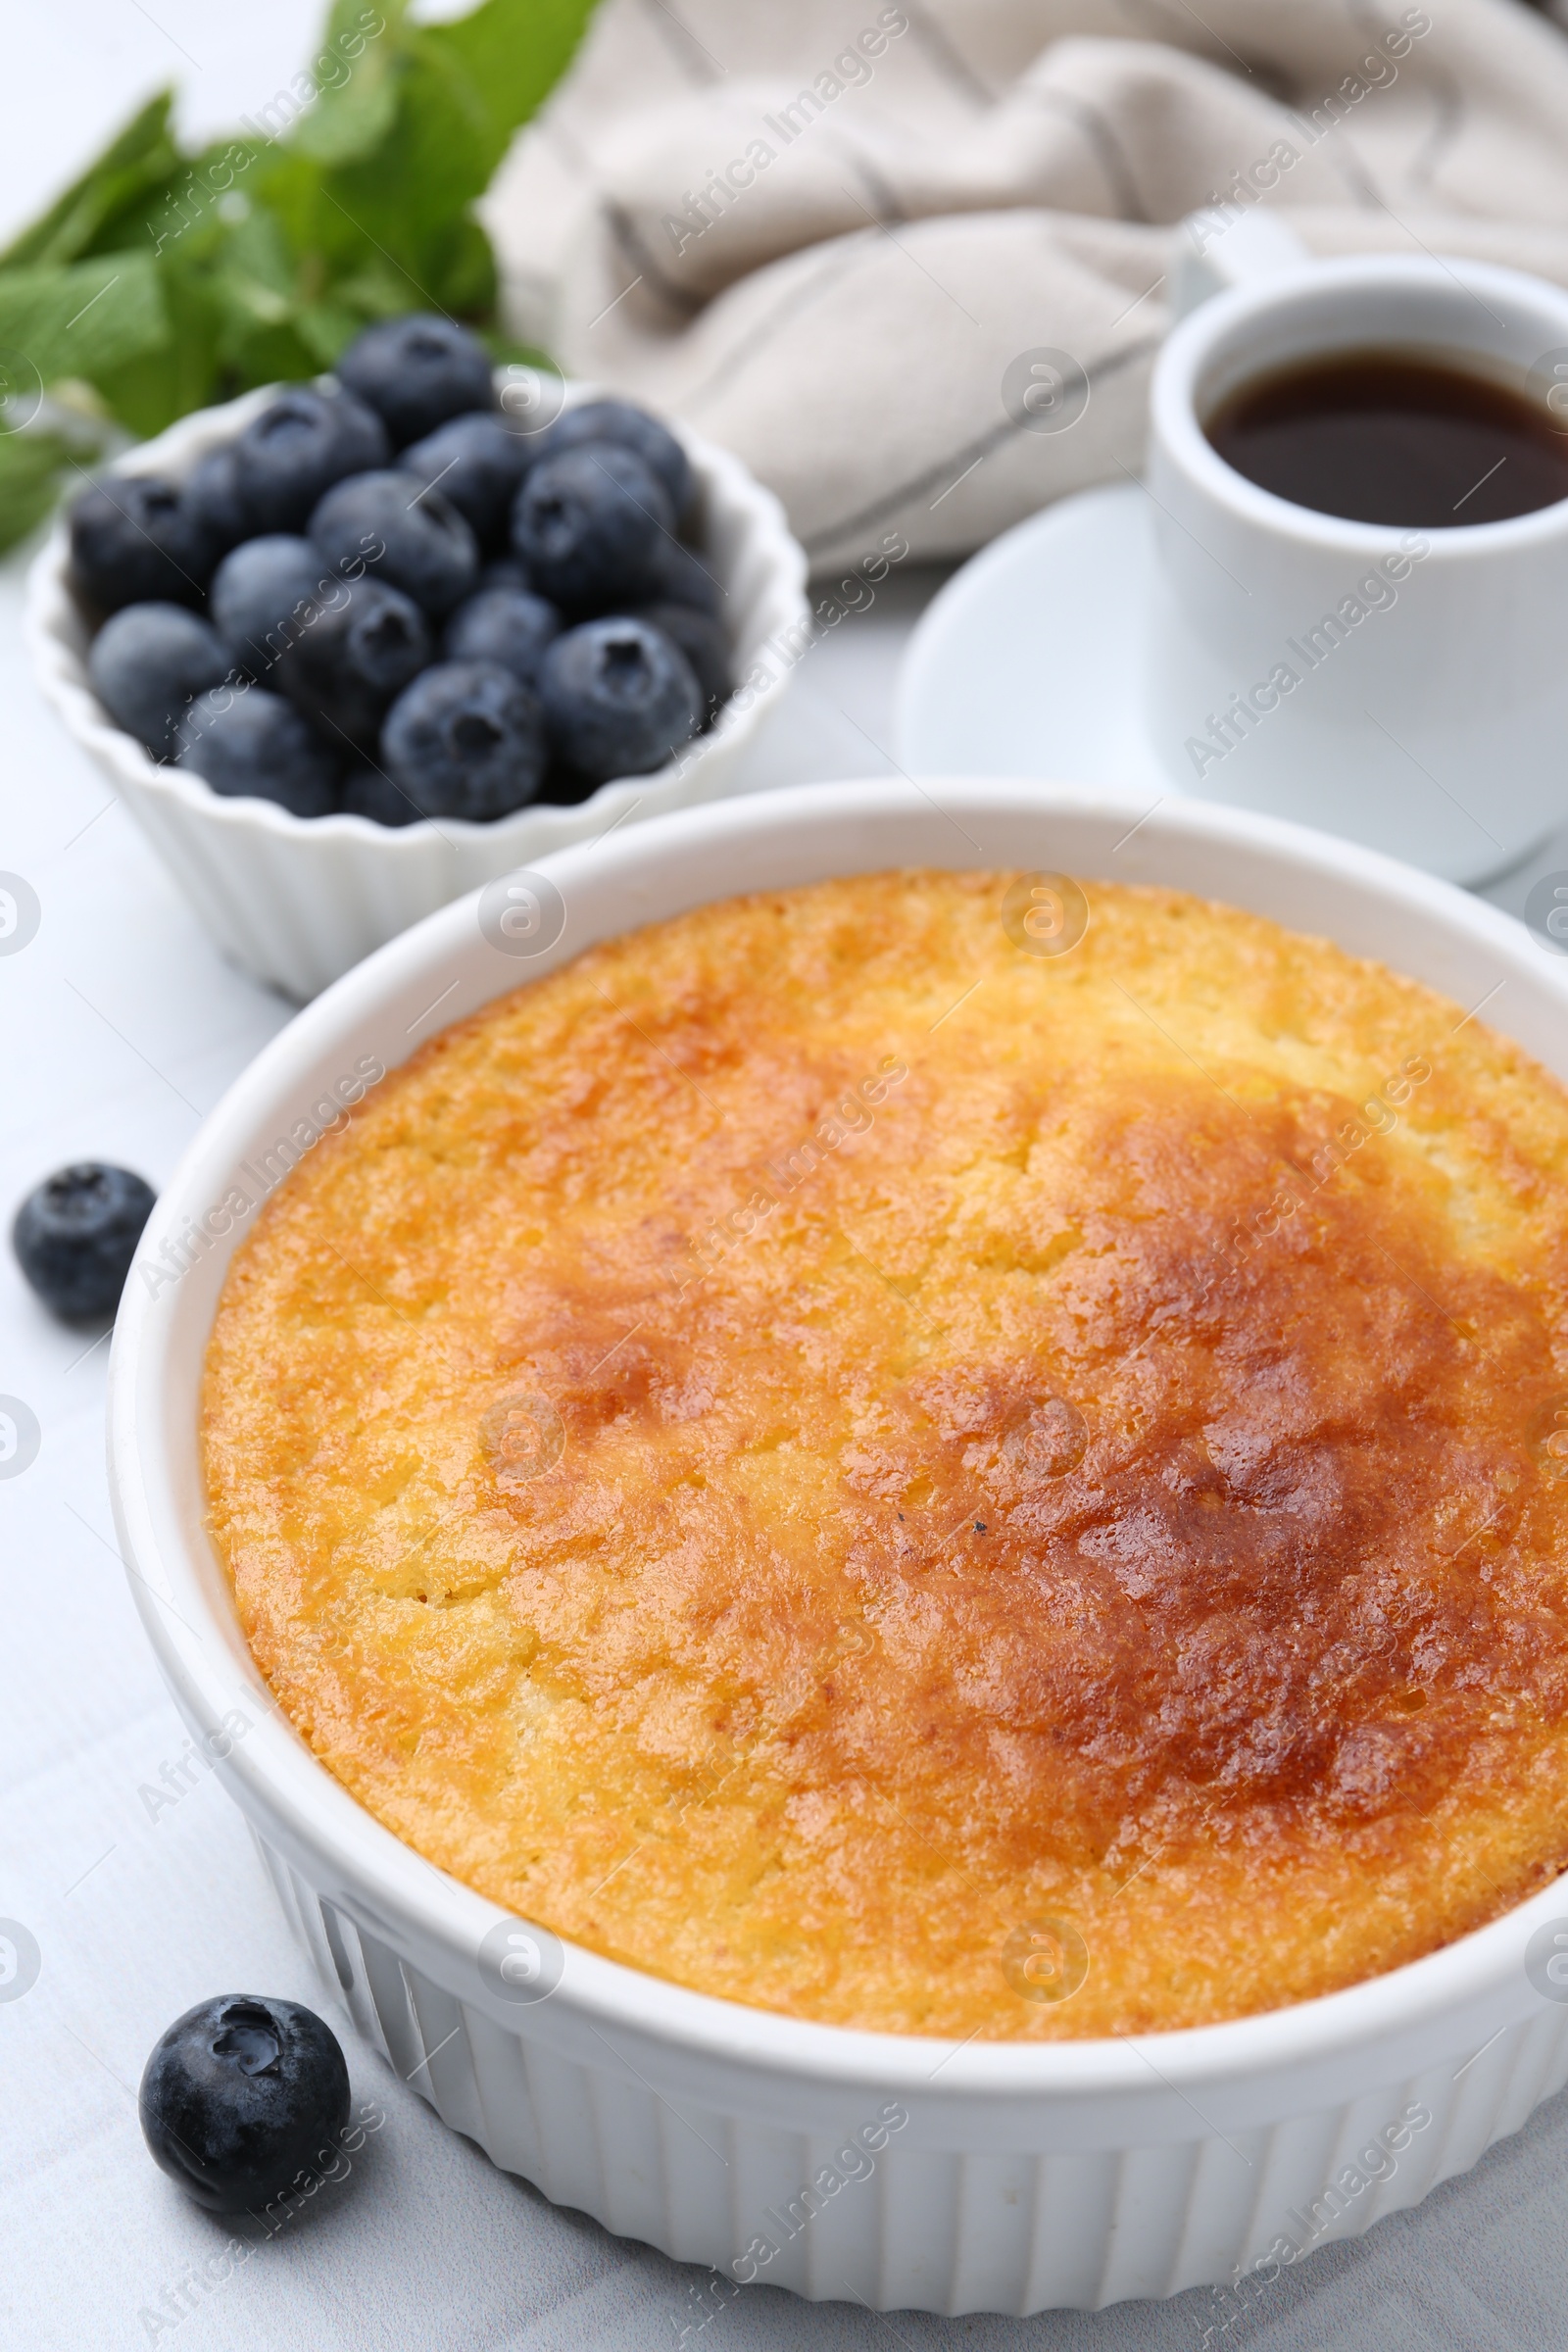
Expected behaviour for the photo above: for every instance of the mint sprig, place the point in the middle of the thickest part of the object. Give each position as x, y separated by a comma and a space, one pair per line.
165, 278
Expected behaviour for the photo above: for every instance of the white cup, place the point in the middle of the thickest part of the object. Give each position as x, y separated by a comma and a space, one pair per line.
1405, 688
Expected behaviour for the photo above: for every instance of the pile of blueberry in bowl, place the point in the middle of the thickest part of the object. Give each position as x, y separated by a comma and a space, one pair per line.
380, 598
305, 701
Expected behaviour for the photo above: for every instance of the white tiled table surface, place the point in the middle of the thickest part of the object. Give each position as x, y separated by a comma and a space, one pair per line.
121, 1026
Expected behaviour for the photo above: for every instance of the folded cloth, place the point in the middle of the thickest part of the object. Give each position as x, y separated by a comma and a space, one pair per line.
909, 261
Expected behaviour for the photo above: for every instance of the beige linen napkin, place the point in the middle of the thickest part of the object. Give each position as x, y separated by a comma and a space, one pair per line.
909, 260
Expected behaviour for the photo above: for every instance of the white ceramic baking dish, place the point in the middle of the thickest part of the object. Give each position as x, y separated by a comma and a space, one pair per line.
296, 901
999, 2176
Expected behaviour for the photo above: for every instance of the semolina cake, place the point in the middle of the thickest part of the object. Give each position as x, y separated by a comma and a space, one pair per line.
879, 1473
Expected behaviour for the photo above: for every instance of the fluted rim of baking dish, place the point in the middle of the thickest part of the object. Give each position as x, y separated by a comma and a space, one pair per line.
382, 1881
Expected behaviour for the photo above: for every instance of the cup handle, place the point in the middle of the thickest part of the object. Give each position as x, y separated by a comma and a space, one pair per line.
1220, 247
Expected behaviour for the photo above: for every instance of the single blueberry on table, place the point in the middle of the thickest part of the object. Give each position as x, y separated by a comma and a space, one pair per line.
347, 669
134, 541
251, 745
417, 371
399, 532
148, 662
75, 1234
370, 791
241, 2097
289, 457
213, 501
619, 697
466, 741
506, 625
477, 464
703, 641
587, 524
262, 594
632, 428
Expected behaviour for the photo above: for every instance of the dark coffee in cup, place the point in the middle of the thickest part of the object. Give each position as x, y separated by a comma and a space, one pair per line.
1394, 437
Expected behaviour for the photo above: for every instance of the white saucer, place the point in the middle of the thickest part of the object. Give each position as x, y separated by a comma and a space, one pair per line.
1026, 662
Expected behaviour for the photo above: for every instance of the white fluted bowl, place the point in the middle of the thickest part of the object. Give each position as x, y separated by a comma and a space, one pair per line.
297, 900
1021, 2174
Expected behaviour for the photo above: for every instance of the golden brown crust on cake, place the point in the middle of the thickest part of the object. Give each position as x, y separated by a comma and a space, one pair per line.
811, 1443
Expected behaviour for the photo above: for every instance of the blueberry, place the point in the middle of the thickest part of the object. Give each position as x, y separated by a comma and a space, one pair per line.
134, 541
619, 697
212, 499
75, 1234
477, 464
629, 427
240, 2097
587, 524
401, 533
507, 625
368, 792
467, 740
257, 597
417, 371
506, 571
147, 663
678, 576
290, 456
703, 641
347, 669
254, 745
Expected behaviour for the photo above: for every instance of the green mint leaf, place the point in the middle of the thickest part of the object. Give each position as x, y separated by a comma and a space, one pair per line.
136, 161
85, 321
181, 373
170, 281
512, 53
356, 77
